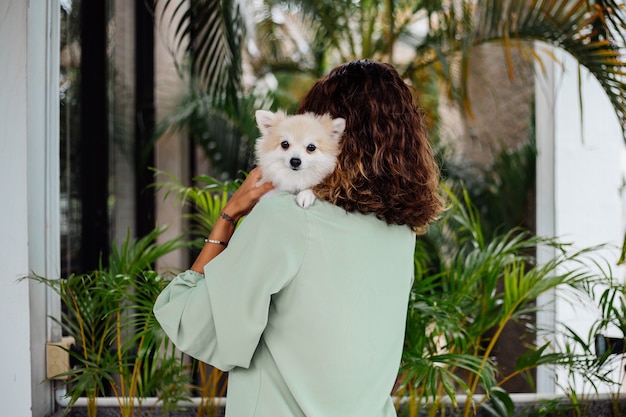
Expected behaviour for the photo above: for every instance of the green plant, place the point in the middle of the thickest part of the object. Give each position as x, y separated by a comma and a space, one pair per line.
216, 110
226, 133
463, 298
501, 192
213, 384
119, 346
205, 202
300, 40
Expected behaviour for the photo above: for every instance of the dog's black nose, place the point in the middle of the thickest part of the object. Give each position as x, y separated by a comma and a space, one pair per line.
295, 162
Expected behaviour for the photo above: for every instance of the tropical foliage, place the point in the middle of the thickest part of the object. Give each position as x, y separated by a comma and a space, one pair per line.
501, 191
293, 42
467, 290
119, 348
204, 201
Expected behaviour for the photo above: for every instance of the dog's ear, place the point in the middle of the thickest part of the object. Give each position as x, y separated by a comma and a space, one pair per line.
339, 125
264, 120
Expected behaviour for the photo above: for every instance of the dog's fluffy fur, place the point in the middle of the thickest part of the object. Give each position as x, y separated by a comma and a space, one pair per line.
297, 152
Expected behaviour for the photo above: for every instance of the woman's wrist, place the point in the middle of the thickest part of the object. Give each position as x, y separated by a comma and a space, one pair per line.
223, 229
230, 219
216, 242
233, 210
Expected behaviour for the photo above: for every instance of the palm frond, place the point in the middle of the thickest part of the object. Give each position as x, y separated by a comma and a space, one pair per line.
590, 31
133, 256
210, 33
205, 202
225, 132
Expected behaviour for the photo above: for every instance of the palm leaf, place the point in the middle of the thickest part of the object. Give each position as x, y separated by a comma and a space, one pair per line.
592, 32
209, 32
205, 202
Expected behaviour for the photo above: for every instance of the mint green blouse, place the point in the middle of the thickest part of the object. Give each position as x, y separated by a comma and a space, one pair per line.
305, 307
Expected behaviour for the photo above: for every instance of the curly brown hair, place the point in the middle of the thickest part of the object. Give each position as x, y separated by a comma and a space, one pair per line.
386, 165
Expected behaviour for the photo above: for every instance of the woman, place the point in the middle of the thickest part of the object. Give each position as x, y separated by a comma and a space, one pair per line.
306, 307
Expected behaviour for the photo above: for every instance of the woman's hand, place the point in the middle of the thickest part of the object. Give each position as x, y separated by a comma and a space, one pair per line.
247, 195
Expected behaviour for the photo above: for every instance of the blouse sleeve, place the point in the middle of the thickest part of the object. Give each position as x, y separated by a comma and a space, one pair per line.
176, 309
219, 317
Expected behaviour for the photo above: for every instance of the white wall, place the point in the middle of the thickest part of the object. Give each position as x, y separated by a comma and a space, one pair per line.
579, 181
15, 366
29, 189
589, 178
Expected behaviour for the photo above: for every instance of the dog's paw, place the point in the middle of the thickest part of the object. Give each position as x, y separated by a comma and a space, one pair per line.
305, 198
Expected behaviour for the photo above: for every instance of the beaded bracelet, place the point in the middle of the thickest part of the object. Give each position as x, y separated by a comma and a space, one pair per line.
228, 219
217, 242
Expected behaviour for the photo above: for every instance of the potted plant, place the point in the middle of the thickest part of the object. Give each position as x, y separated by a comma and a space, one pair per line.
119, 348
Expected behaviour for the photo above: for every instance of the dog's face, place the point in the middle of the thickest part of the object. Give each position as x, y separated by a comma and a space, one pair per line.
297, 152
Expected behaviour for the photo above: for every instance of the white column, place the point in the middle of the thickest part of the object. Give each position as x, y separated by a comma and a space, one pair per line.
579, 181
545, 223
589, 146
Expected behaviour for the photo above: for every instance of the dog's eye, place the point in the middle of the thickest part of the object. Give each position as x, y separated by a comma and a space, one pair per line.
311, 148
284, 144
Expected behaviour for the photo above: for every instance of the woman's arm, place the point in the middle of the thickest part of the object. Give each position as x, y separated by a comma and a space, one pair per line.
183, 308
219, 315
240, 204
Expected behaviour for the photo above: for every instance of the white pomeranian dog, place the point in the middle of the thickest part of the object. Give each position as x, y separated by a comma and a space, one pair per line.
296, 152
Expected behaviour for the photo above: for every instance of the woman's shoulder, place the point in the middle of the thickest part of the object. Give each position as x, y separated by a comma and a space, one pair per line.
280, 214
282, 200
282, 207
277, 200
277, 206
